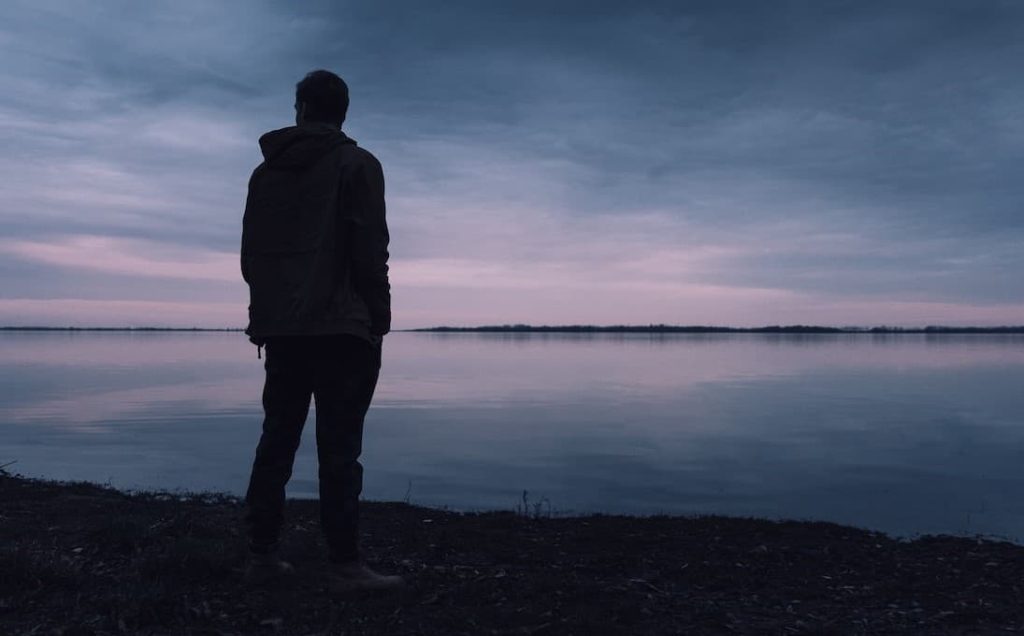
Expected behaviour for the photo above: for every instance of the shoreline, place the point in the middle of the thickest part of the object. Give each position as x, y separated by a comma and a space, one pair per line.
82, 559
802, 330
932, 330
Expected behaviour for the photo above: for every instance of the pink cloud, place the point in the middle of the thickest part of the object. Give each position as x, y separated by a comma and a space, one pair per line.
128, 313
129, 257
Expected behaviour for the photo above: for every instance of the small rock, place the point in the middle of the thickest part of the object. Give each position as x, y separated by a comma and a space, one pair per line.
273, 623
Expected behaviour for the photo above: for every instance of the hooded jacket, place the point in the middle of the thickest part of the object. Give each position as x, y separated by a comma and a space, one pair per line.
315, 238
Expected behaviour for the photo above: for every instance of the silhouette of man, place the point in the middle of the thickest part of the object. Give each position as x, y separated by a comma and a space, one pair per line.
314, 254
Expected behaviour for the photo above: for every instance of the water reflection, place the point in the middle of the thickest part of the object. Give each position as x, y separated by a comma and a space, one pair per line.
908, 434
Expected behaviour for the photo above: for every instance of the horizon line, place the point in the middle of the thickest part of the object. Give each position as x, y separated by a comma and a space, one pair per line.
620, 328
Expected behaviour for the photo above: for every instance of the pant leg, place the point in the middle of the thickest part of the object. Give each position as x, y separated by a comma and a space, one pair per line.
346, 380
286, 396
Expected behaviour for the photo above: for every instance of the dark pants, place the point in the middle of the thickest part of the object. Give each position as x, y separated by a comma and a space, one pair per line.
340, 372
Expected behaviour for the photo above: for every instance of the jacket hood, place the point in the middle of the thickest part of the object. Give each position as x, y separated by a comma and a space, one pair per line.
297, 147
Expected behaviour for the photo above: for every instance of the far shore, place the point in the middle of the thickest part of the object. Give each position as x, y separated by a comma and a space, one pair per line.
86, 560
651, 329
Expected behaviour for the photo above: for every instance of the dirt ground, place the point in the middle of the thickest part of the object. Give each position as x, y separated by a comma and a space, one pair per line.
79, 559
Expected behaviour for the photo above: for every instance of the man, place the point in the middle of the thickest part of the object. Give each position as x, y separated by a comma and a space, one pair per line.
314, 254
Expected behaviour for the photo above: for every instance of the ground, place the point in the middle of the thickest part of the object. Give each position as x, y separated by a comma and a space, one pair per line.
80, 559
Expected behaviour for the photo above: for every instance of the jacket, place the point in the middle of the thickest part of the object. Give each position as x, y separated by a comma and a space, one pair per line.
315, 238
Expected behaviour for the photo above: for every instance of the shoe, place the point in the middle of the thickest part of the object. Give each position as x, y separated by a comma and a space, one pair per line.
356, 576
261, 569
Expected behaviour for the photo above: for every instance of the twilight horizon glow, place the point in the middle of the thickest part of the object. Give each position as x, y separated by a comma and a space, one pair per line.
739, 163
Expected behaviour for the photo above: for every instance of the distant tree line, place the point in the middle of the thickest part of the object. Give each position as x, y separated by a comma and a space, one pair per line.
661, 328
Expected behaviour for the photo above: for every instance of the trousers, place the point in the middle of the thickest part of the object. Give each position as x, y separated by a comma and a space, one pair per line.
340, 373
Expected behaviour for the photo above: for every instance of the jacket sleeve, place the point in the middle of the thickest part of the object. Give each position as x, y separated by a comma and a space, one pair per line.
244, 251
369, 240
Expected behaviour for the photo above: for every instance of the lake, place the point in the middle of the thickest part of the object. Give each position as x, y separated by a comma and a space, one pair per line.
908, 434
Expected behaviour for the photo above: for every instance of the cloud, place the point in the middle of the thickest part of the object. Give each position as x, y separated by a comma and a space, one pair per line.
832, 152
65, 312
147, 259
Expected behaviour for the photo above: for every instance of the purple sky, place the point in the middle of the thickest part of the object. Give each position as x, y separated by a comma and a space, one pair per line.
735, 163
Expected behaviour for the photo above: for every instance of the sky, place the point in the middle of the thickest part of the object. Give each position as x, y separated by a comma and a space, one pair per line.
547, 162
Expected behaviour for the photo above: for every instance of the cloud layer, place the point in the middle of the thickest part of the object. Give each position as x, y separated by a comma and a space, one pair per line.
695, 162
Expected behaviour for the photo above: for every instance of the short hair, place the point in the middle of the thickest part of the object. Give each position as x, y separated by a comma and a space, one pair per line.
325, 95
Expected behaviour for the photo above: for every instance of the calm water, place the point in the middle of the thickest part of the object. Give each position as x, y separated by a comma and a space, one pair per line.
906, 434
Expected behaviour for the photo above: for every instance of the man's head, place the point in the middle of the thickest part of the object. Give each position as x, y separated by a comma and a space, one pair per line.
321, 97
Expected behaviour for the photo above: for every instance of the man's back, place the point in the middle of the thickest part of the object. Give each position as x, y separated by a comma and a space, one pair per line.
314, 237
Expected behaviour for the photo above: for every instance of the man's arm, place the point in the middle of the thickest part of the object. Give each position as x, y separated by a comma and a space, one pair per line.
369, 240
244, 252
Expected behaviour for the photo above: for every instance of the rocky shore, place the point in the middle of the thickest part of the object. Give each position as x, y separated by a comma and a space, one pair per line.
80, 559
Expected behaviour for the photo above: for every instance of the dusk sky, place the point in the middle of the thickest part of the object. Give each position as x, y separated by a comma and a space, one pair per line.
725, 162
